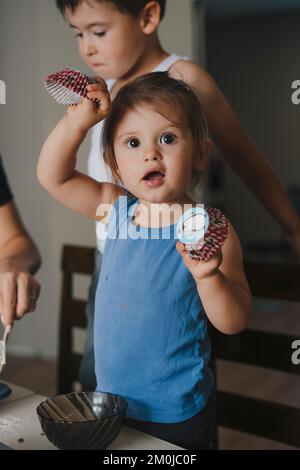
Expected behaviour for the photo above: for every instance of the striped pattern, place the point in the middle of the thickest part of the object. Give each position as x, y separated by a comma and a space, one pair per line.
68, 86
214, 237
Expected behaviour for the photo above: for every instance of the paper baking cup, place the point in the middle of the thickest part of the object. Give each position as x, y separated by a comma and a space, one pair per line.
68, 86
203, 232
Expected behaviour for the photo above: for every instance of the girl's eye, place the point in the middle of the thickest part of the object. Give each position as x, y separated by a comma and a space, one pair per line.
133, 143
79, 35
167, 139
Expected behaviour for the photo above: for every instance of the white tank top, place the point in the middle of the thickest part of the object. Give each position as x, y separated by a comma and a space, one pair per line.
97, 169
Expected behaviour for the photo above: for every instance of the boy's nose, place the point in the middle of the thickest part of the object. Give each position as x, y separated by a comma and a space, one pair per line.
89, 48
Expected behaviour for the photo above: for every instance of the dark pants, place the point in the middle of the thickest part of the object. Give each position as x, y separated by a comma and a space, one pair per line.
87, 375
196, 433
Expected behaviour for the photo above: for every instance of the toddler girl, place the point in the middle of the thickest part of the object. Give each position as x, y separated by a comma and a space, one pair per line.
152, 299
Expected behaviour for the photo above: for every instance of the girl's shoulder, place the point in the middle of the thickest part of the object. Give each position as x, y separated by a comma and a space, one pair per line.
120, 197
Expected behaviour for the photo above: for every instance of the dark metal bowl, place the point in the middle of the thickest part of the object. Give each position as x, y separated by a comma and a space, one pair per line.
82, 420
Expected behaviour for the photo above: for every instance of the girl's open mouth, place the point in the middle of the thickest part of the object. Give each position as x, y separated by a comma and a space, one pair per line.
154, 178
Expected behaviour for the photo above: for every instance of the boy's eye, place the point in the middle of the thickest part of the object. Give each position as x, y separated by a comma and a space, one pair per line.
100, 34
133, 143
167, 138
79, 35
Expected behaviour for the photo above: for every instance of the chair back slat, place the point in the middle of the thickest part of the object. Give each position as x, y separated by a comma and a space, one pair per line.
274, 281
257, 348
78, 318
269, 420
78, 260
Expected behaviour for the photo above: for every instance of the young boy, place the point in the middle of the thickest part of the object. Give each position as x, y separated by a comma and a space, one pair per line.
118, 40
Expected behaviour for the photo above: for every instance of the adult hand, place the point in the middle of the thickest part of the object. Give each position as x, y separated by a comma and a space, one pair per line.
19, 293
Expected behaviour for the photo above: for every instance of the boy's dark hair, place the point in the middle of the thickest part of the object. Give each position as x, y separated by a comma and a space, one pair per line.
172, 98
133, 7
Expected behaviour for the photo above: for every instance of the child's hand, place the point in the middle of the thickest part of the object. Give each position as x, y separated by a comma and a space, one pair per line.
88, 113
200, 269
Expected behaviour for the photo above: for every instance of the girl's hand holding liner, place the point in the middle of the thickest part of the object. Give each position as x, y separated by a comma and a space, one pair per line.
85, 115
222, 285
56, 166
200, 269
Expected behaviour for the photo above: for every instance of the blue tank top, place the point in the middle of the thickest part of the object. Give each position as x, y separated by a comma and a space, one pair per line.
150, 331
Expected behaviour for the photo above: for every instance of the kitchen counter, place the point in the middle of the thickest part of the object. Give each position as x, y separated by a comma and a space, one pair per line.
20, 428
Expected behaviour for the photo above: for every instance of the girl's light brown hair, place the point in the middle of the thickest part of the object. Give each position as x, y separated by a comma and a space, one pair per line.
172, 98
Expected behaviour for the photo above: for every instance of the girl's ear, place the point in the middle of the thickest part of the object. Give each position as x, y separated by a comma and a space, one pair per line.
150, 17
200, 163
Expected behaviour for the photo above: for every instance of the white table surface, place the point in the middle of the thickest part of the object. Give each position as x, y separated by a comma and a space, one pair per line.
19, 421
17, 393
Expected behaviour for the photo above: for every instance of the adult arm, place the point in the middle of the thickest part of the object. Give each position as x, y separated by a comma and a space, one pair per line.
19, 261
239, 151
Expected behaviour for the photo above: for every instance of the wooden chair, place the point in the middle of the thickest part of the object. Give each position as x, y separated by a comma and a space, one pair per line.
75, 260
273, 421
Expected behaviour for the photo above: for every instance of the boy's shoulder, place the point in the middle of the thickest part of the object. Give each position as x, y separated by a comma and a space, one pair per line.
194, 75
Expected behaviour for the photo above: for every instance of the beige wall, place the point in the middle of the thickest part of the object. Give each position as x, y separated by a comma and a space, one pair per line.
254, 61
21, 133
34, 41
175, 29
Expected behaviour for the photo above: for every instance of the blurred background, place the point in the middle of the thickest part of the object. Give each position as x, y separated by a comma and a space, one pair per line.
250, 47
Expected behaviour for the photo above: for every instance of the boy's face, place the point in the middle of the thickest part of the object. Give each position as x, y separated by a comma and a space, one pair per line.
154, 156
109, 41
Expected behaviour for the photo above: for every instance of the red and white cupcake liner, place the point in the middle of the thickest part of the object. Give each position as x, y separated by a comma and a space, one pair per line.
214, 237
68, 86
